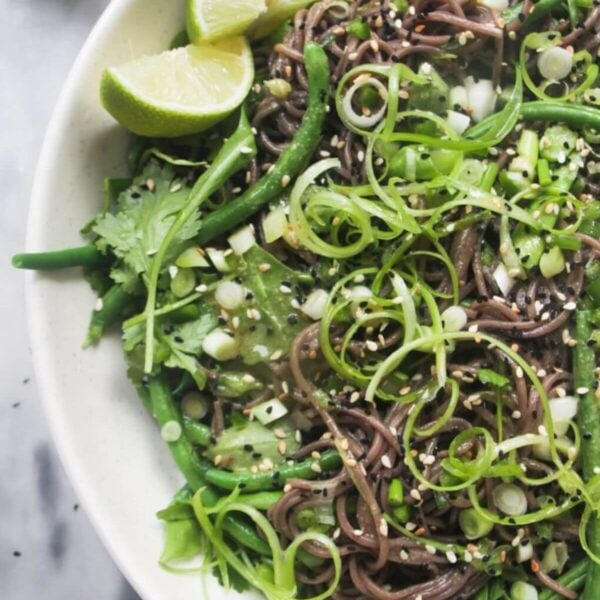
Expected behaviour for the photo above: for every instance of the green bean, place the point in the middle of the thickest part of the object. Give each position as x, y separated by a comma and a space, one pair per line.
542, 110
573, 114
83, 256
252, 482
289, 163
107, 312
573, 579
197, 433
182, 449
194, 469
588, 419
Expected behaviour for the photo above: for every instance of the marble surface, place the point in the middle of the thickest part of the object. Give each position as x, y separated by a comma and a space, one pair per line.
47, 546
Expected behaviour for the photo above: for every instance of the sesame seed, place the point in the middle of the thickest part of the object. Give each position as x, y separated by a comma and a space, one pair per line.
372, 346
451, 556
264, 267
287, 488
344, 444
410, 526
217, 460
247, 378
403, 555
285, 180
357, 532
414, 493
280, 433
276, 355
386, 462
473, 328
354, 397
383, 527
542, 431
516, 414
353, 56
582, 390
246, 150
99, 304
350, 462
298, 436
235, 322
570, 306
519, 372
430, 549
282, 447
360, 155
201, 288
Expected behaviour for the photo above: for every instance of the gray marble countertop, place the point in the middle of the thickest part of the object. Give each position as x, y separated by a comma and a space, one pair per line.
47, 546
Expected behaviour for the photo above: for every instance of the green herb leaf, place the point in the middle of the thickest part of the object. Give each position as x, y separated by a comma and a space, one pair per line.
279, 322
183, 540
145, 212
241, 447
489, 377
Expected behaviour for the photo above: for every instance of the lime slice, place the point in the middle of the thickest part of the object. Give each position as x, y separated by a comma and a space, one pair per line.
180, 91
278, 11
211, 20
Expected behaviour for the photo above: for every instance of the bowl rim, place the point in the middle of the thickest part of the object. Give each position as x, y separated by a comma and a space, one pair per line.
57, 123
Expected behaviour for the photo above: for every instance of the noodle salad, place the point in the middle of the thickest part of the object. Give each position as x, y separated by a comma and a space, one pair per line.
364, 306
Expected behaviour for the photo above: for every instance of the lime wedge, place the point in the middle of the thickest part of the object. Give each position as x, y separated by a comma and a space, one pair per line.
211, 20
278, 11
180, 91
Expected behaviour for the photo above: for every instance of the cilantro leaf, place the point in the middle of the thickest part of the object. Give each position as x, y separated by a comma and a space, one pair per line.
489, 377
236, 581
145, 212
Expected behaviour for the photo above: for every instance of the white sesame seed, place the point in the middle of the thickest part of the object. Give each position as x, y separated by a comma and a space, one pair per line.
414, 493
451, 556
473, 328
316, 467
386, 462
354, 397
285, 180
276, 355
542, 431
383, 527
264, 267
282, 447
353, 56
217, 460
298, 436
287, 488
430, 549
201, 288
403, 555
357, 532
572, 453
410, 526
371, 346
516, 414
360, 155
246, 150
99, 305
582, 390
570, 306
519, 372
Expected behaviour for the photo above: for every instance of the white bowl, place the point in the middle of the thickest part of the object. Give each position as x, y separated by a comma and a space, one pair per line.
110, 447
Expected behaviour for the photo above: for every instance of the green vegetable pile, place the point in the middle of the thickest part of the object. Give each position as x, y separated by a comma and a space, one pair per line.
381, 378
